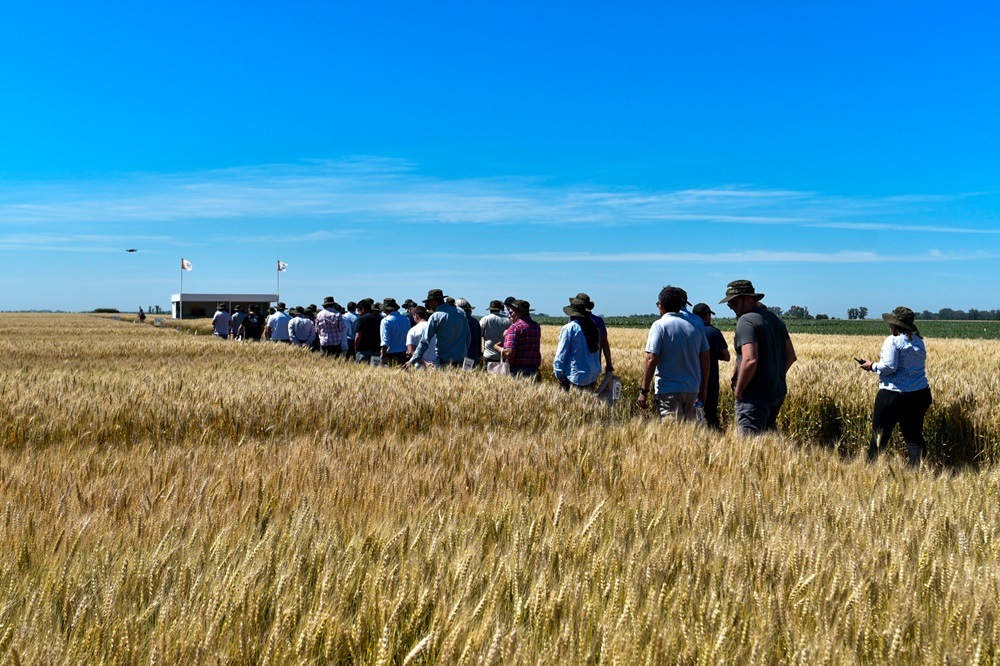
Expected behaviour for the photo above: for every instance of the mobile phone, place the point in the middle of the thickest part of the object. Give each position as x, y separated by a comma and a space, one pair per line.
860, 361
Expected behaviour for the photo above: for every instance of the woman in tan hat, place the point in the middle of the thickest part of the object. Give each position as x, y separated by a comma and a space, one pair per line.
904, 396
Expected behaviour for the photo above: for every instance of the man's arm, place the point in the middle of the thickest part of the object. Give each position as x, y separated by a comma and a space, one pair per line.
706, 362
647, 378
790, 356
606, 348
748, 367
724, 355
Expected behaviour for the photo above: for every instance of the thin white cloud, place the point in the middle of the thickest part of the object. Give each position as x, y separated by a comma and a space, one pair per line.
358, 191
748, 257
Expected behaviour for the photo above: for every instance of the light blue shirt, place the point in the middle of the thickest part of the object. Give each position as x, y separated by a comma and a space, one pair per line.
278, 323
393, 329
350, 325
678, 342
901, 367
448, 323
573, 361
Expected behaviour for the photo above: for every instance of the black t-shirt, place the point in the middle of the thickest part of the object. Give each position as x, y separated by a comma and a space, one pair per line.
253, 324
368, 329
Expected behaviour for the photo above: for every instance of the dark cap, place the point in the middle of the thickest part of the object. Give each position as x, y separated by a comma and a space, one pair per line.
577, 308
280, 306
495, 306
702, 309
586, 300
389, 304
329, 301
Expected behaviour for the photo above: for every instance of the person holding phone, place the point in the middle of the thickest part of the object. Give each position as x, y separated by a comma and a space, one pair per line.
904, 395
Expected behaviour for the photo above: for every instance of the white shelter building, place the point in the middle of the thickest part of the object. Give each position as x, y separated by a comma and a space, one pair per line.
194, 306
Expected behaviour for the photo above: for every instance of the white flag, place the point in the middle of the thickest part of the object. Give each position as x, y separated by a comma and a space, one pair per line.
186, 265
282, 265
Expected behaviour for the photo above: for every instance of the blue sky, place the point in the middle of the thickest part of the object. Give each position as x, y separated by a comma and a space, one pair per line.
838, 154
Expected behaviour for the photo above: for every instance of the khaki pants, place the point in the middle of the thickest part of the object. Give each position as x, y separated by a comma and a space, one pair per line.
679, 406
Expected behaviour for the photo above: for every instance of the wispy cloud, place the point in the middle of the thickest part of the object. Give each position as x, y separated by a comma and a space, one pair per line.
749, 257
362, 190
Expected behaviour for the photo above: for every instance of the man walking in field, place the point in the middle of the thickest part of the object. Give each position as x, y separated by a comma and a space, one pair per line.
764, 353
493, 326
392, 334
450, 326
277, 325
718, 350
221, 322
677, 355
522, 343
253, 325
330, 328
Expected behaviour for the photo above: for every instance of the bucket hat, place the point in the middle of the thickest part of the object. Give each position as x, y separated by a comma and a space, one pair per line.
902, 317
740, 288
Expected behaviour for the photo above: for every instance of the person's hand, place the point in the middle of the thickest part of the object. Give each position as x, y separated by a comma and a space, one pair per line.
609, 368
406, 366
642, 401
867, 365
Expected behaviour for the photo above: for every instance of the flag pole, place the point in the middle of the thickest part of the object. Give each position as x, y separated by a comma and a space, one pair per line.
277, 281
180, 297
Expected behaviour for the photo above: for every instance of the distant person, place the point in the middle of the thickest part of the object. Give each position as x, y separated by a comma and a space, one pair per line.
522, 343
450, 326
276, 326
142, 316
301, 329
599, 321
350, 324
253, 325
718, 350
577, 363
367, 339
475, 351
407, 309
764, 353
904, 395
677, 356
221, 322
392, 334
493, 327
421, 314
330, 328
237, 322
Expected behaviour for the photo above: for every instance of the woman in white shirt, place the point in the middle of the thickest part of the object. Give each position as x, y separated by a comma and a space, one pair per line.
904, 395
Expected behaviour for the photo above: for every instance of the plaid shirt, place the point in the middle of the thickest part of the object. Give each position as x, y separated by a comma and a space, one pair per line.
330, 328
525, 337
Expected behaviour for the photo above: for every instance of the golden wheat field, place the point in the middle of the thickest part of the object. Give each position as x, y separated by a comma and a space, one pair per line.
172, 499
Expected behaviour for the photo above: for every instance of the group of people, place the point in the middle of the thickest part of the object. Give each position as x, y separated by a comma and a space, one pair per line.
683, 351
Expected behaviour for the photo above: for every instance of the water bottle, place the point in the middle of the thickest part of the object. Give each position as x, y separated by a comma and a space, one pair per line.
699, 413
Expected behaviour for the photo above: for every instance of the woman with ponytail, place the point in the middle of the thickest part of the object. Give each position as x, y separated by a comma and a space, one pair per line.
578, 355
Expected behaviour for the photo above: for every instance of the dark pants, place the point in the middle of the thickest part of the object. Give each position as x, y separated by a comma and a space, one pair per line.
350, 348
712, 408
755, 416
529, 371
906, 409
395, 358
331, 350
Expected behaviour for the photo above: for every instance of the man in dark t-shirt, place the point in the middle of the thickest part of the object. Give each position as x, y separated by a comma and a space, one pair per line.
367, 338
718, 350
252, 327
764, 353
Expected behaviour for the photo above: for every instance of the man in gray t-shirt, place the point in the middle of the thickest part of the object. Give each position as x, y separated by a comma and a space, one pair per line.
494, 326
764, 353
